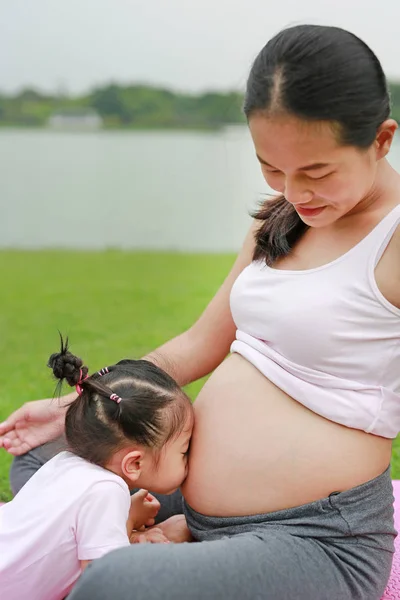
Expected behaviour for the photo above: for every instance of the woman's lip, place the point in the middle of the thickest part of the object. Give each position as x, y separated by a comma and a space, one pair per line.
309, 212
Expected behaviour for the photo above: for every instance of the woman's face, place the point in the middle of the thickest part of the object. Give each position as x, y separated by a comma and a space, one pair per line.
304, 161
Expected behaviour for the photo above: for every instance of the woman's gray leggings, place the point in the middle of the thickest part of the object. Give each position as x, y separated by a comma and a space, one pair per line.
338, 548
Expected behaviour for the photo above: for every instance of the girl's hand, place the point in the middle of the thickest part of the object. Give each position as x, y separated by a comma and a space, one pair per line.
144, 509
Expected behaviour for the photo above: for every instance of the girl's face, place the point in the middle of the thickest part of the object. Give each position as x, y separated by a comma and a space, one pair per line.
303, 161
165, 473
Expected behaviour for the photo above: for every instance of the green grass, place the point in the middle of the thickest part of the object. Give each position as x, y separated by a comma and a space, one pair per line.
111, 304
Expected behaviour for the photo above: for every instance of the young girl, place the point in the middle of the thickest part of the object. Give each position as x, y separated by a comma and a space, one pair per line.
130, 427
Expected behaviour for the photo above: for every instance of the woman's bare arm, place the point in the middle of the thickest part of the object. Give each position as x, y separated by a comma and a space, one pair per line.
200, 349
187, 357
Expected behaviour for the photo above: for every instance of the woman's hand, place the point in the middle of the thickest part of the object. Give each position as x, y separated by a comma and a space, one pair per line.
144, 509
152, 536
33, 424
175, 529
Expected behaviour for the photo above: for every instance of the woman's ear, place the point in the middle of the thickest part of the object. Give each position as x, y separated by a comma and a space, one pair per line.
384, 137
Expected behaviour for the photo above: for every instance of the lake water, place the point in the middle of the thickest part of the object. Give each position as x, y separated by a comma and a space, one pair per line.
183, 191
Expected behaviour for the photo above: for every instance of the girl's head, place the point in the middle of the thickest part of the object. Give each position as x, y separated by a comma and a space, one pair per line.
318, 108
131, 418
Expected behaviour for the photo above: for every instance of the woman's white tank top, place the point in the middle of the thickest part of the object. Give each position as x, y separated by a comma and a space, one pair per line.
327, 336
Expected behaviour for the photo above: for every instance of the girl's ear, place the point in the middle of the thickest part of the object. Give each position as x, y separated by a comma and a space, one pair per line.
131, 465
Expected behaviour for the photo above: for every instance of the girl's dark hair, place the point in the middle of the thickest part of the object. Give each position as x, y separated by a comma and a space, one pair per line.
315, 73
152, 411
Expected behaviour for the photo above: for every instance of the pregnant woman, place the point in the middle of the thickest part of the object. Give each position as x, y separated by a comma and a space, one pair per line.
289, 490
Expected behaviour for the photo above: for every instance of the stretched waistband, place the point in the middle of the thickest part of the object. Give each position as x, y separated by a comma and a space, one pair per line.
360, 511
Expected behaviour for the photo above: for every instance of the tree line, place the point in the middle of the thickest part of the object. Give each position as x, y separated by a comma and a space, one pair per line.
137, 106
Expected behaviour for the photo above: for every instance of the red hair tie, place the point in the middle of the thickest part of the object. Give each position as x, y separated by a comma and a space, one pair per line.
81, 380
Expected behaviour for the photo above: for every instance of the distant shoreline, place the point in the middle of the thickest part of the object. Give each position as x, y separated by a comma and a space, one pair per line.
122, 128
124, 107
135, 107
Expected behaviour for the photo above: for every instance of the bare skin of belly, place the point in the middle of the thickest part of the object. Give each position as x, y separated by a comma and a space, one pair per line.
256, 450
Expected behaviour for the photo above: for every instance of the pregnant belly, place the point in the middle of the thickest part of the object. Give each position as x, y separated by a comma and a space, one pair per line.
255, 449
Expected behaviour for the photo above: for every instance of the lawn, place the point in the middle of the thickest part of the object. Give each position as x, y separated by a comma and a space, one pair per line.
111, 304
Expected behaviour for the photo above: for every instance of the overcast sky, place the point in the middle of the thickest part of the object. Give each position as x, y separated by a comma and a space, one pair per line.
191, 45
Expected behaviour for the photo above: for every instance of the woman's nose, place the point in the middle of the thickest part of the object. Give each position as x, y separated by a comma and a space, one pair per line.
296, 192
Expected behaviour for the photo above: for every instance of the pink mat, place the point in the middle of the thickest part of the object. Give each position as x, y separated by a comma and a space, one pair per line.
392, 591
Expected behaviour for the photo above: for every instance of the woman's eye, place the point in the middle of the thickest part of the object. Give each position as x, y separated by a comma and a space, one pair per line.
269, 172
322, 177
